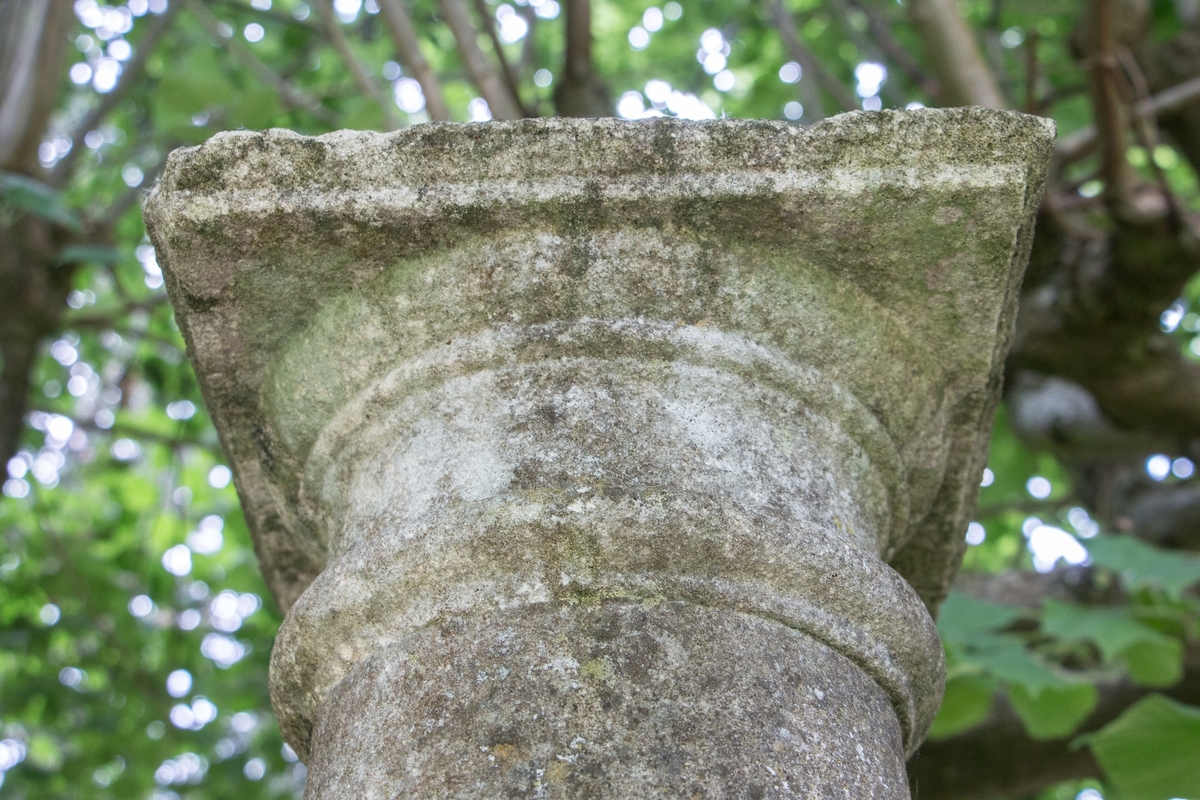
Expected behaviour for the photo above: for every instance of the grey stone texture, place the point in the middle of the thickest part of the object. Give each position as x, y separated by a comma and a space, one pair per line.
603, 458
613, 699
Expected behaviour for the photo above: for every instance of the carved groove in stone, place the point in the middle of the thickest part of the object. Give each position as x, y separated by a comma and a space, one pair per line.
449, 518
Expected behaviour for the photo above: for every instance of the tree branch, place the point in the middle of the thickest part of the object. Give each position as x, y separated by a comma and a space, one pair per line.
1029, 590
487, 79
290, 94
274, 14
132, 431
510, 77
1090, 312
811, 65
1108, 110
132, 74
1097, 325
580, 91
1025, 507
1032, 105
529, 43
1168, 516
867, 47
33, 37
895, 52
1107, 462
1064, 418
365, 83
33, 293
954, 55
110, 319
106, 219
1168, 100
1079, 144
408, 50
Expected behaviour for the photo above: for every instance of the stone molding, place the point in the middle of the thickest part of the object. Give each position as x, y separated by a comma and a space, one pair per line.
497, 372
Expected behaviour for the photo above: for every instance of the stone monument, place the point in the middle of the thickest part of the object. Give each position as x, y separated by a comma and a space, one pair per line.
602, 458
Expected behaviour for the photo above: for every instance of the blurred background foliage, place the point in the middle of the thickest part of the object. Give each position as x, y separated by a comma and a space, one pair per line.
135, 630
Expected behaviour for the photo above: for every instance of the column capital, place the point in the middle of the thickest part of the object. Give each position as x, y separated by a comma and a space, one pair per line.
741, 368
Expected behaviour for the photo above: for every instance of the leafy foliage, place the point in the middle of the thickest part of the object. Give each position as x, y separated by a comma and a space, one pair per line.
131, 609
1141, 566
1155, 731
20, 194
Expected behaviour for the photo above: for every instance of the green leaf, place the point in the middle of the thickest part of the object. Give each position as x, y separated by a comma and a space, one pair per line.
1055, 711
199, 82
44, 754
89, 253
1157, 663
257, 107
1112, 630
969, 627
966, 703
964, 619
133, 492
1140, 564
30, 196
1009, 660
1152, 751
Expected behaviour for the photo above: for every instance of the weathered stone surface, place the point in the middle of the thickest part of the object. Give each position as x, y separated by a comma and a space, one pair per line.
683, 380
613, 699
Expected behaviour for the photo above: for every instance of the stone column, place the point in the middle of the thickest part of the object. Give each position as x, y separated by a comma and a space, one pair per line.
606, 459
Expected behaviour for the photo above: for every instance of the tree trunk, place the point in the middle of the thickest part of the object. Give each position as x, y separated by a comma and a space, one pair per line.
32, 289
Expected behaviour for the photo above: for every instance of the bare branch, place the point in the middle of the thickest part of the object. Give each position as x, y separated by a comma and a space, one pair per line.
32, 295
579, 37
1168, 100
1168, 516
131, 75
126, 199
486, 77
1147, 132
112, 320
33, 40
291, 95
1108, 109
529, 43
1079, 144
365, 83
1030, 590
1097, 322
132, 431
1025, 507
408, 50
810, 64
1032, 105
33, 36
954, 55
1139, 377
93, 320
580, 91
273, 14
510, 77
867, 47
895, 52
